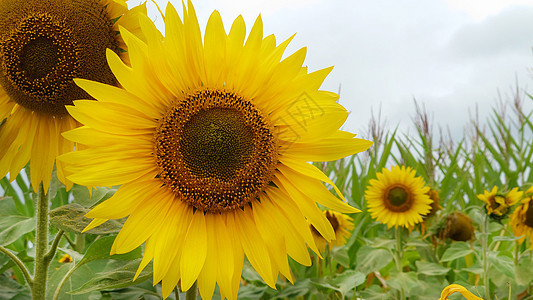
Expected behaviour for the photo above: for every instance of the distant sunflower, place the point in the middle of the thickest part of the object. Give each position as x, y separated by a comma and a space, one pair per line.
397, 197
209, 139
497, 204
458, 227
522, 218
342, 225
44, 44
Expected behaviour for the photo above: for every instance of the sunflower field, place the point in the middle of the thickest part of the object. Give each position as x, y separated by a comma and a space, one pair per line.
140, 163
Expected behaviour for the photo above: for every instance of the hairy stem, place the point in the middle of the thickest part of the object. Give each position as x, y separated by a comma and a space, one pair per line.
41, 246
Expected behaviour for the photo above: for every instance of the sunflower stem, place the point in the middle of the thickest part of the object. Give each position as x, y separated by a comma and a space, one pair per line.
191, 292
177, 293
398, 254
41, 246
20, 264
516, 252
484, 255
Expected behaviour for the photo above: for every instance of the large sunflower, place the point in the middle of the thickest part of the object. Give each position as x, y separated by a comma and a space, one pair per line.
44, 44
397, 197
522, 218
210, 142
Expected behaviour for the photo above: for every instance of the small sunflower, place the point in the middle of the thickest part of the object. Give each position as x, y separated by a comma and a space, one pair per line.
44, 45
454, 288
210, 140
458, 227
522, 218
497, 204
397, 197
65, 259
342, 225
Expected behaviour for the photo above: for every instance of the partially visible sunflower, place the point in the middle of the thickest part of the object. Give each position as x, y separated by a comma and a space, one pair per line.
210, 140
397, 197
44, 45
458, 227
454, 288
522, 218
435, 204
497, 204
342, 225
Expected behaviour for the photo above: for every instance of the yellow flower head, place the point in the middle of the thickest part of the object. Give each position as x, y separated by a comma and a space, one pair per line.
342, 225
209, 138
65, 259
496, 204
44, 45
454, 288
458, 227
522, 218
397, 197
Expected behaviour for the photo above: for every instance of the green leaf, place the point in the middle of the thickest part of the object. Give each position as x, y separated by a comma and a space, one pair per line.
348, 281
83, 197
8, 207
300, 288
10, 289
13, 227
100, 249
251, 291
456, 250
71, 218
503, 264
524, 271
114, 279
370, 259
429, 268
340, 254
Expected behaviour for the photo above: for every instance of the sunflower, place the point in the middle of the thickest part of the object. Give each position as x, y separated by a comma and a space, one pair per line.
342, 225
458, 227
210, 141
44, 44
497, 204
522, 218
454, 288
397, 197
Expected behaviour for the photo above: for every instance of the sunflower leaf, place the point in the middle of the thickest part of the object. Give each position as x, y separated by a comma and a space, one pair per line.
429, 268
370, 259
13, 227
114, 279
83, 197
100, 249
456, 250
71, 218
503, 264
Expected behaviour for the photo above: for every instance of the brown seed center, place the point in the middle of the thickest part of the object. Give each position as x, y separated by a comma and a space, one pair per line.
215, 150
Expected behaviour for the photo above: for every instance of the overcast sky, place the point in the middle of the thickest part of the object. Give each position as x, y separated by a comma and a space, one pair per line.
448, 54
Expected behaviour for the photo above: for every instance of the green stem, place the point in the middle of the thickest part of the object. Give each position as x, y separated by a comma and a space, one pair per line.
484, 255
41, 246
177, 293
20, 264
50, 255
398, 254
191, 292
